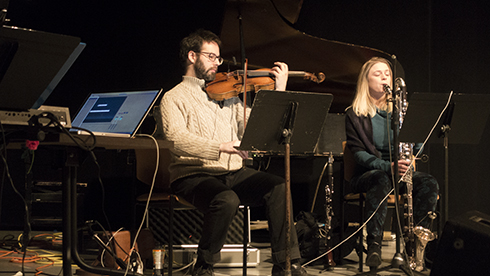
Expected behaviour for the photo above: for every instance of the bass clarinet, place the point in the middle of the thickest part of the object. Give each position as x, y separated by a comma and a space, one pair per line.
416, 237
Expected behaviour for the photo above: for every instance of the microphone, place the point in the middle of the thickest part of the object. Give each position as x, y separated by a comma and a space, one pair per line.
400, 85
401, 92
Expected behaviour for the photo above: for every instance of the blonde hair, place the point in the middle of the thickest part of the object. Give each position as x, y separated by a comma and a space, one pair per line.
363, 103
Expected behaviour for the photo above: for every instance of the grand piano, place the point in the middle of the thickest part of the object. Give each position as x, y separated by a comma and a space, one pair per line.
263, 32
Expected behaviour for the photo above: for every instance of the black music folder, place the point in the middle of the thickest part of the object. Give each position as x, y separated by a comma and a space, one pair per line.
31, 65
467, 115
269, 113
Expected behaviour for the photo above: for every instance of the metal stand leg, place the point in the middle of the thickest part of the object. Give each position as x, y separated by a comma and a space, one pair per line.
68, 172
245, 238
70, 241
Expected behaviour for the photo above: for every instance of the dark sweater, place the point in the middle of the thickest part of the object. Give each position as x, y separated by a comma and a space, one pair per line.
359, 133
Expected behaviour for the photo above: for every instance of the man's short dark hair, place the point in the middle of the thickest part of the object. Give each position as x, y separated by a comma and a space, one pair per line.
194, 41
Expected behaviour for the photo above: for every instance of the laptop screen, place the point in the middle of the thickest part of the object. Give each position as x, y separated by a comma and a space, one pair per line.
115, 113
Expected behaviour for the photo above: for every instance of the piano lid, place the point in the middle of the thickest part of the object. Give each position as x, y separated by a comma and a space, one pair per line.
268, 36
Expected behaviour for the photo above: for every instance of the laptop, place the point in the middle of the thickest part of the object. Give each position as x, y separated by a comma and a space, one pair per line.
115, 114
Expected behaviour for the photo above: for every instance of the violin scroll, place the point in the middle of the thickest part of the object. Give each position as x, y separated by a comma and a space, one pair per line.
310, 76
320, 78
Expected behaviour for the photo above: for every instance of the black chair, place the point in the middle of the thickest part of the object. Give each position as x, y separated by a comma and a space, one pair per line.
348, 166
358, 199
163, 198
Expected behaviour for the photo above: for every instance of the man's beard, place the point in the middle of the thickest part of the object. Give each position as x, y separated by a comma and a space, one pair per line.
202, 73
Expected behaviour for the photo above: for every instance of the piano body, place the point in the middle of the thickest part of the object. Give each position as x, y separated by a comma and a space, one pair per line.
263, 32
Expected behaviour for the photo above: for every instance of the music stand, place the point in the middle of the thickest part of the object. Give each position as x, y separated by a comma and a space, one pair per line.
286, 122
465, 117
32, 63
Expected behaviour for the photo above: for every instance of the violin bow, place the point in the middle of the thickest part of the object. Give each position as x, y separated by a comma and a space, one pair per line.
244, 87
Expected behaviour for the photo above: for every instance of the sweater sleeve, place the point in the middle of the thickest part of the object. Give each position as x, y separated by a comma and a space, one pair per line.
372, 162
186, 144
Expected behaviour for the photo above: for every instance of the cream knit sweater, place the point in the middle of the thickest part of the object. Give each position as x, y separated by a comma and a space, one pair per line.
198, 125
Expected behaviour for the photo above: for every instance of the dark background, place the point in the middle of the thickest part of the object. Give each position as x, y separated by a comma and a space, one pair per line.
442, 46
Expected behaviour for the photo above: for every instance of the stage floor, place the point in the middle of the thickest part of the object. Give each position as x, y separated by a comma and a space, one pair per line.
51, 263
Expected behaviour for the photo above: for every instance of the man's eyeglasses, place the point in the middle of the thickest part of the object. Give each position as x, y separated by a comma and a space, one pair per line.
212, 57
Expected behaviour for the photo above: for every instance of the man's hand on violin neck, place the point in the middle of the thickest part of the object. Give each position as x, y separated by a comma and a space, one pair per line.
230, 147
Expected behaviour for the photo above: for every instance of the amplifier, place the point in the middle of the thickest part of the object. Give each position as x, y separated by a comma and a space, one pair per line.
21, 118
463, 246
188, 225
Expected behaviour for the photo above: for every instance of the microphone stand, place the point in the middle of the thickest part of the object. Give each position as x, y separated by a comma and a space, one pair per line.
398, 260
444, 132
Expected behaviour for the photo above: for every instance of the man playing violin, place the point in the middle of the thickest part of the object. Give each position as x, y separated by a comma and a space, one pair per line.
207, 168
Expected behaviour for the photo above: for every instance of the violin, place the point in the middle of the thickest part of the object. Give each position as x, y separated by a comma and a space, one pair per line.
230, 84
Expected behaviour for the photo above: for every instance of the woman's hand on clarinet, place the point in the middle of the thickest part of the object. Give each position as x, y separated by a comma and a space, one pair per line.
231, 148
280, 72
403, 166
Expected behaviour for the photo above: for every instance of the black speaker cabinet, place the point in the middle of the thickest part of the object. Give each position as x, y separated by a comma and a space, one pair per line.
188, 225
464, 246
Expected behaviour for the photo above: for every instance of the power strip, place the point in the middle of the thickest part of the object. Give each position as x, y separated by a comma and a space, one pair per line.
231, 255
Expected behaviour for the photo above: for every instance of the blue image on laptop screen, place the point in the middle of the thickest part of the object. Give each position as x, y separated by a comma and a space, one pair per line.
104, 109
115, 112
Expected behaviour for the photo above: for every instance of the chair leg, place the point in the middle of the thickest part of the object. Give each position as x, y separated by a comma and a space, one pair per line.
171, 235
342, 222
361, 232
245, 238
147, 220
